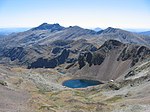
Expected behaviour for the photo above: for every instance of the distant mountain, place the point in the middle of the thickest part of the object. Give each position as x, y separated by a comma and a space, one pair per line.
7, 31
136, 30
47, 33
121, 35
97, 29
145, 33
2, 35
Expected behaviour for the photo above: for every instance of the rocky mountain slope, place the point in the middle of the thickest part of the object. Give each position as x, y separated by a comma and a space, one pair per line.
47, 33
110, 61
47, 42
122, 36
49, 56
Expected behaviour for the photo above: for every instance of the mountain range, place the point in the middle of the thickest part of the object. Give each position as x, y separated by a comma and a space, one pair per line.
47, 33
7, 31
49, 41
34, 65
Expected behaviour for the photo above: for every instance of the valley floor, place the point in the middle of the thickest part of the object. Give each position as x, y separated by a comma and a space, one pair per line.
41, 90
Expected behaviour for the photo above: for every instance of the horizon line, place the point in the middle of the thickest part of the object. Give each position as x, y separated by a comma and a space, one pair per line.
92, 27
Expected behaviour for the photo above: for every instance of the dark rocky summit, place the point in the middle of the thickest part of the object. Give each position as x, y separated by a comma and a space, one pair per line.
51, 27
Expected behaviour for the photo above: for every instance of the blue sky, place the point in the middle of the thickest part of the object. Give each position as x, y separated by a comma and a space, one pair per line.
85, 13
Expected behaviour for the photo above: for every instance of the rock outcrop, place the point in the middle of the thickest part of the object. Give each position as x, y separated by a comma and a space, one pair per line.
50, 63
111, 60
15, 53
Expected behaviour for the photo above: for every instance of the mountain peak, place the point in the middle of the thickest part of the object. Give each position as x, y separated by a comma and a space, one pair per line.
97, 29
46, 26
111, 43
110, 30
80, 30
75, 27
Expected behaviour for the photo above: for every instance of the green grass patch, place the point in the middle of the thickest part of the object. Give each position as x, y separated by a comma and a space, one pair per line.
114, 99
47, 108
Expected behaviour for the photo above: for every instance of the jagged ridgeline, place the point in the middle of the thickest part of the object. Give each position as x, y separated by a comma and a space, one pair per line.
111, 60
51, 45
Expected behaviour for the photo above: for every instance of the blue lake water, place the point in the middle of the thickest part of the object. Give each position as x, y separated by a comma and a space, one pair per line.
80, 83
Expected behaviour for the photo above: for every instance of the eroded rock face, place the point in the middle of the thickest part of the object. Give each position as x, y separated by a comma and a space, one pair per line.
125, 51
50, 63
110, 61
44, 63
135, 53
56, 50
81, 61
49, 55
22, 55
15, 53
90, 58
97, 57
